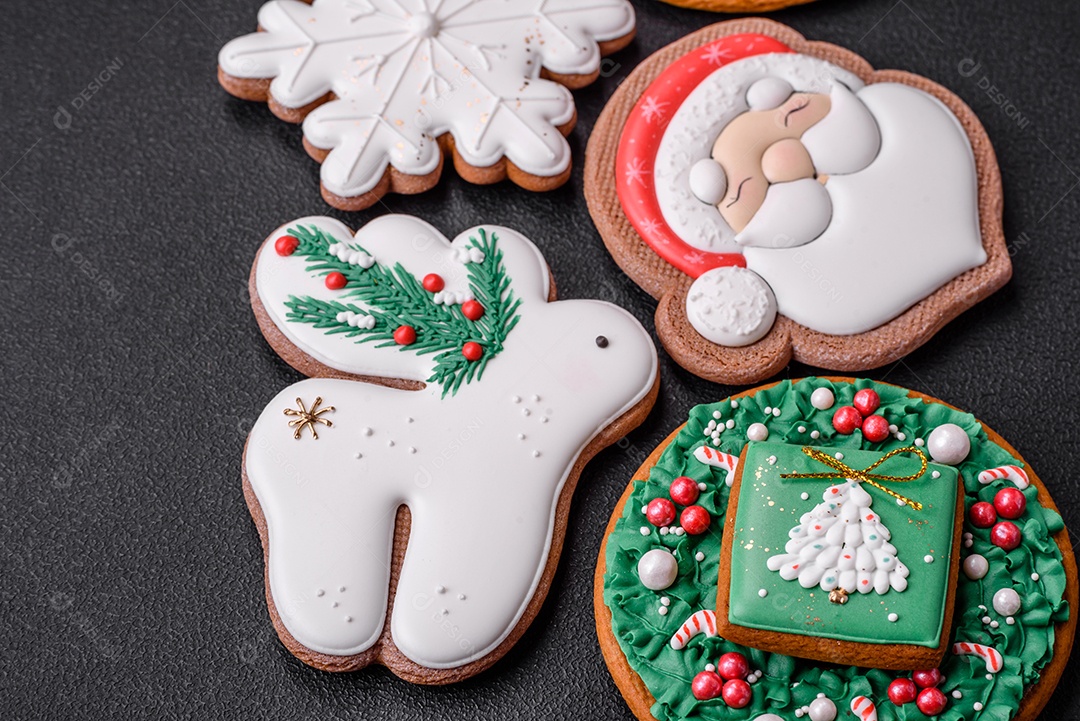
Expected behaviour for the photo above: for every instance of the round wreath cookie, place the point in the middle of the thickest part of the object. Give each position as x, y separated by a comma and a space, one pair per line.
452, 401
865, 215
385, 89
937, 539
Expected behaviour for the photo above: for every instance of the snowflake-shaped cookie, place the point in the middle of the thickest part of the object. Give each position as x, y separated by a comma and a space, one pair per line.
383, 86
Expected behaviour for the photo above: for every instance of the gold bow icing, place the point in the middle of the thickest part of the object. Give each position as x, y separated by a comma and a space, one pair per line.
842, 470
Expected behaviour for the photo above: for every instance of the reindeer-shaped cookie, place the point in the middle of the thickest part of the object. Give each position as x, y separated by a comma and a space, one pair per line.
449, 383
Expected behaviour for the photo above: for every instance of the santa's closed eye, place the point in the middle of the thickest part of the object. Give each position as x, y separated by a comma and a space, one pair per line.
803, 105
738, 193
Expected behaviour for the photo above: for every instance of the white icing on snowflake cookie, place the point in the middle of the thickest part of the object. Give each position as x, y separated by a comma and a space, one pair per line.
399, 74
481, 456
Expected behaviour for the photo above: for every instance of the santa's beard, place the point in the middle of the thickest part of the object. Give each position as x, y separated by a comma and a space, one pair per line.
845, 141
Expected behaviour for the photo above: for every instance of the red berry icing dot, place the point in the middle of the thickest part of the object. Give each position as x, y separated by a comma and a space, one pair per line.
472, 351
695, 520
875, 428
405, 335
927, 677
335, 281
1005, 535
660, 512
733, 665
433, 283
1010, 503
737, 693
846, 420
902, 691
982, 515
684, 490
472, 310
706, 685
286, 245
931, 701
866, 401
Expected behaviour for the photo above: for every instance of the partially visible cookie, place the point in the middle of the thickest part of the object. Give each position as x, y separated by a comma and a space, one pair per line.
412, 495
385, 90
737, 6
836, 535
783, 200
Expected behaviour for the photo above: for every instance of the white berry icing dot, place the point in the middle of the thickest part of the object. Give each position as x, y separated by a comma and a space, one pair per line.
768, 410
1034, 577
757, 432
1010, 620
935, 474
734, 404
771, 460
801, 429
716, 415
645, 530
805, 496
815, 434
977, 706
702, 486
986, 620
928, 558
662, 610
839, 456
893, 618
762, 593
957, 694
893, 428
665, 601
699, 556
920, 442
367, 431
730, 423
776, 412
710, 667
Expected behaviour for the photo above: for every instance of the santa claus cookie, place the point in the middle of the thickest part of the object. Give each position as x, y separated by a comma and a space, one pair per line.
795, 551
384, 88
412, 495
782, 199
737, 6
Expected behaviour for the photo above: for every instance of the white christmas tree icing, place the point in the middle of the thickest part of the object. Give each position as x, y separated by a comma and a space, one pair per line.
841, 543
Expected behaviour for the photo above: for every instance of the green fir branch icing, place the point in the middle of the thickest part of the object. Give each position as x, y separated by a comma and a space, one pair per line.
393, 297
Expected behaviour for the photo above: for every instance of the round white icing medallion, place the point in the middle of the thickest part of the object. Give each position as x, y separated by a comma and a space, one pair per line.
731, 306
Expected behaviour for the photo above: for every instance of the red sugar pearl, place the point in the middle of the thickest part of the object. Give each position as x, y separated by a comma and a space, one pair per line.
706, 685
1005, 535
1010, 503
695, 520
684, 491
982, 515
472, 351
335, 281
660, 512
846, 420
472, 310
866, 401
286, 245
737, 693
931, 701
902, 691
405, 335
927, 677
733, 665
433, 283
875, 428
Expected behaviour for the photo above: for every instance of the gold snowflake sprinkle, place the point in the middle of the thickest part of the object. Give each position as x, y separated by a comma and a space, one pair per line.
308, 418
838, 595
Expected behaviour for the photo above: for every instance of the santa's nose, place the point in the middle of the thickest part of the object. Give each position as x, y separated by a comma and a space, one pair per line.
786, 160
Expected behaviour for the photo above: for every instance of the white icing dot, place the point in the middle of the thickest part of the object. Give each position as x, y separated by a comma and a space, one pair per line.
521, 436
751, 679
320, 592
645, 530
516, 399
957, 695
543, 419
412, 449
1034, 577
935, 474
768, 410
989, 677
390, 443
798, 713
900, 503
920, 442
536, 398
334, 604
663, 530
536, 454
771, 460
662, 610
967, 534
982, 607
757, 432
716, 441
815, 434
1010, 620
893, 618
665, 601
440, 589
901, 436
977, 706
839, 456
701, 486
985, 620
716, 415
408, 419
821, 695
776, 412
348, 619
762, 593
710, 667
968, 543
645, 509
680, 531
699, 556
341, 589
822, 399
461, 596
801, 429
734, 404
445, 612
994, 624
730, 423
928, 558
805, 496
358, 455
893, 428
367, 431
526, 412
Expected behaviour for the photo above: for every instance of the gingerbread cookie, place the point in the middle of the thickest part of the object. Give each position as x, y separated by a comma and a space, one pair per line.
782, 199
816, 520
737, 6
385, 89
412, 495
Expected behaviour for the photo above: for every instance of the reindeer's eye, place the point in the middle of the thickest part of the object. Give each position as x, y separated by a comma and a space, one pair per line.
601, 341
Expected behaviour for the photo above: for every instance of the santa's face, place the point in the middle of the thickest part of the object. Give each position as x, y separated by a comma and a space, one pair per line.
763, 147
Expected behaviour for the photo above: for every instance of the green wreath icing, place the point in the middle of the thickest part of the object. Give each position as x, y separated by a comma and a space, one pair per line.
789, 683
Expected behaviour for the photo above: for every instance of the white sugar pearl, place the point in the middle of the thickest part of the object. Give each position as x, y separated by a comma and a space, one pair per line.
994, 624
801, 429
663, 530
977, 706
928, 558
920, 442
985, 620
757, 432
822, 709
665, 601
901, 436
822, 399
893, 428
657, 569
701, 486
893, 618
776, 412
730, 423
957, 695
771, 460
815, 434
716, 415
968, 543
699, 556
805, 496
662, 610
1034, 577
644, 530
839, 456
762, 593
1007, 602
935, 474
734, 404
768, 410
948, 444
680, 531
976, 566
1010, 620
768, 717
710, 667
